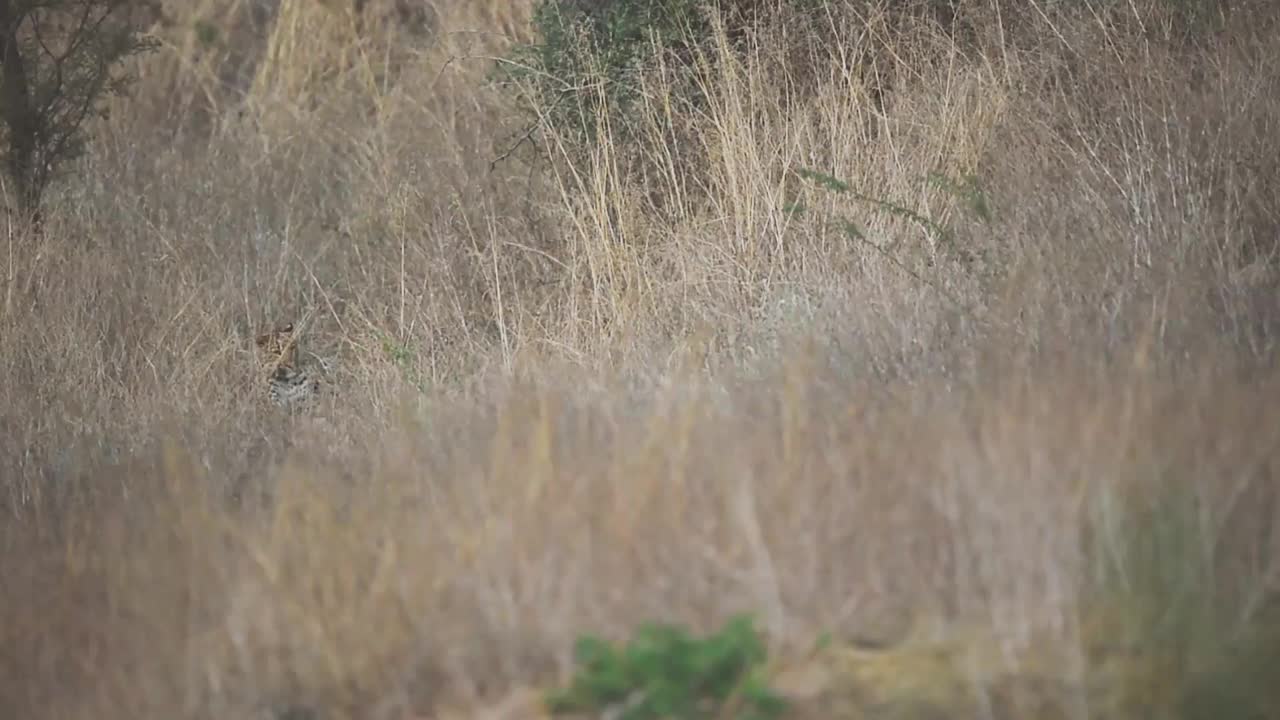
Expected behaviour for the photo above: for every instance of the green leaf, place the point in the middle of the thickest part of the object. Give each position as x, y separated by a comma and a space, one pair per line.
664, 672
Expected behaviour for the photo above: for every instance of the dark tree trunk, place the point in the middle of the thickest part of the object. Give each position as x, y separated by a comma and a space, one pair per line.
18, 115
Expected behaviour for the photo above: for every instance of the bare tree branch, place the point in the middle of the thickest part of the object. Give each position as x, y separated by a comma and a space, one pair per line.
58, 60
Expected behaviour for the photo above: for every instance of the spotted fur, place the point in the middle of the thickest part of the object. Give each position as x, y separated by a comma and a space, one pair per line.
290, 384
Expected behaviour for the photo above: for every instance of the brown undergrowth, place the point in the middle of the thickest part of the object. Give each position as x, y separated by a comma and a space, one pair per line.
1005, 399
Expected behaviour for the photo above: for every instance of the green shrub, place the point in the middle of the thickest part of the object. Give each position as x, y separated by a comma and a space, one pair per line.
665, 673
589, 56
1155, 558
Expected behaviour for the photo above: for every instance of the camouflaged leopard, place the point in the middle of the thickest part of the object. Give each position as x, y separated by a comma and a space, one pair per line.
291, 383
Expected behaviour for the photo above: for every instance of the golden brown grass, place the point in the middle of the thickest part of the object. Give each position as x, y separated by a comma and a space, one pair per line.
573, 397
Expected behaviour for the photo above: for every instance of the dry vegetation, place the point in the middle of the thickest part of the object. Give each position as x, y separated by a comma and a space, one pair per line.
572, 397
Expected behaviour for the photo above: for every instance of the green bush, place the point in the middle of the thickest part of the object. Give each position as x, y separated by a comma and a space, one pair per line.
589, 56
1156, 559
665, 673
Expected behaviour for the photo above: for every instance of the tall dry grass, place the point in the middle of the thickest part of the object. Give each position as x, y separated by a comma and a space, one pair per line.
575, 395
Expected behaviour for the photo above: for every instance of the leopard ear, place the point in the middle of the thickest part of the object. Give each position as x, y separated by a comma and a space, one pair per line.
288, 328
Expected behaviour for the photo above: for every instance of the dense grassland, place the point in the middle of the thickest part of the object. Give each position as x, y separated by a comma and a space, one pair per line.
1012, 379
